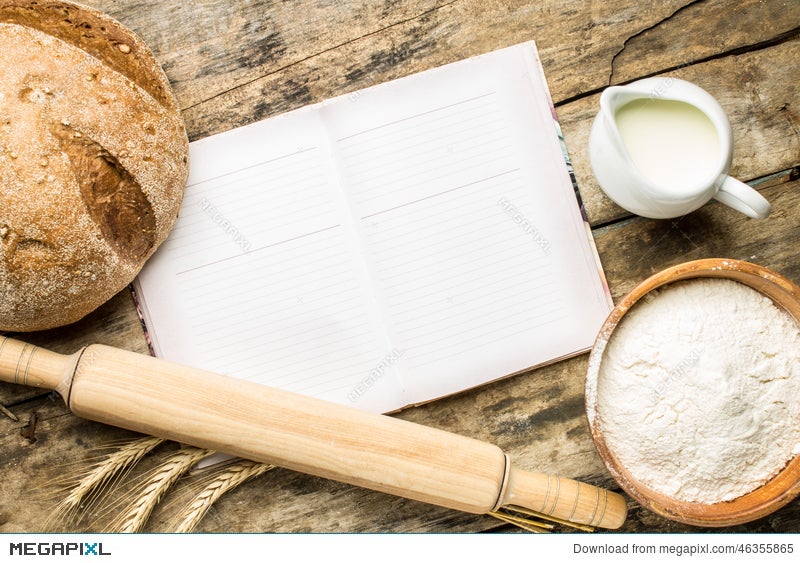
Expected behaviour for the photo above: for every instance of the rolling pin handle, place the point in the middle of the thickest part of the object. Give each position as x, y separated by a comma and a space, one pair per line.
27, 364
564, 499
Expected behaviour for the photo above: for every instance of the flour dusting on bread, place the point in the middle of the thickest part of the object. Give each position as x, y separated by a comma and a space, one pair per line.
93, 161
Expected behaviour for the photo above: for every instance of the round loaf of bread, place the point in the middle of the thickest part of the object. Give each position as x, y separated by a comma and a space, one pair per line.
93, 161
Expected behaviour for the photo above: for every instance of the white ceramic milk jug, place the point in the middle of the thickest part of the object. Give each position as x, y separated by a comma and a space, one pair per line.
662, 147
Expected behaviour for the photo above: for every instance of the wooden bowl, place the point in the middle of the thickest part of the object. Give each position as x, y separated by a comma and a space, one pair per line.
774, 494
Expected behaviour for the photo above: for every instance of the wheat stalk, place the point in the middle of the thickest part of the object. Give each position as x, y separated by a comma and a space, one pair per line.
216, 484
102, 475
146, 496
134, 506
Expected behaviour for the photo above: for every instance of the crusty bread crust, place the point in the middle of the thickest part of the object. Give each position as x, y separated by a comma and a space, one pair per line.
93, 161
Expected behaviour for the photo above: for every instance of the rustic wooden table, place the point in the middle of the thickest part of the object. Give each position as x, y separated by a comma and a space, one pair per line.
236, 61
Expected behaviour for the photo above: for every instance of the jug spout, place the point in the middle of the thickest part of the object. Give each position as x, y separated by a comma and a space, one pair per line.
606, 132
611, 99
615, 97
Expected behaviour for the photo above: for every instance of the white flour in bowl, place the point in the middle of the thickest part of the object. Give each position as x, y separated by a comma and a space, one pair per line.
698, 393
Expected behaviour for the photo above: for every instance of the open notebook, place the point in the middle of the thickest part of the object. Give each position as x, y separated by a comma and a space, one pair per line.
383, 248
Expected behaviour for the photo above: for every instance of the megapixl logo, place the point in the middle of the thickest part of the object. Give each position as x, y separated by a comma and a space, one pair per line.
57, 548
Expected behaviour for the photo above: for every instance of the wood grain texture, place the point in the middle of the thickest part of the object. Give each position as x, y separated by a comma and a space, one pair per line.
235, 62
232, 62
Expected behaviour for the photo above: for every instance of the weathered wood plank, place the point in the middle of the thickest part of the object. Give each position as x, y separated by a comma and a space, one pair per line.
577, 45
213, 46
636, 248
700, 31
231, 63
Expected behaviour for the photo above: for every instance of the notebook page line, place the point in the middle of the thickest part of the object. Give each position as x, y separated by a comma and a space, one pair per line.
439, 194
417, 115
259, 249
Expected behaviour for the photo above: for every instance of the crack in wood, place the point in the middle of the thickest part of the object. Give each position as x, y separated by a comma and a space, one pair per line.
779, 39
322, 52
645, 30
750, 48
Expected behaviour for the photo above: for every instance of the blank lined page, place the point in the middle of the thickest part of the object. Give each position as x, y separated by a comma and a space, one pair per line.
383, 248
263, 282
469, 223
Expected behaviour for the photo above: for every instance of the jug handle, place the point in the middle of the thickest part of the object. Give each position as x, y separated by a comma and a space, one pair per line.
743, 198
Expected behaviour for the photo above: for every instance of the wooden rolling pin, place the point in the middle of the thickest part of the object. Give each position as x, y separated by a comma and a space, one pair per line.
256, 422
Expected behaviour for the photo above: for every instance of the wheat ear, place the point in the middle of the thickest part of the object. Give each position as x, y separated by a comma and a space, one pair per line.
216, 484
102, 475
146, 496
